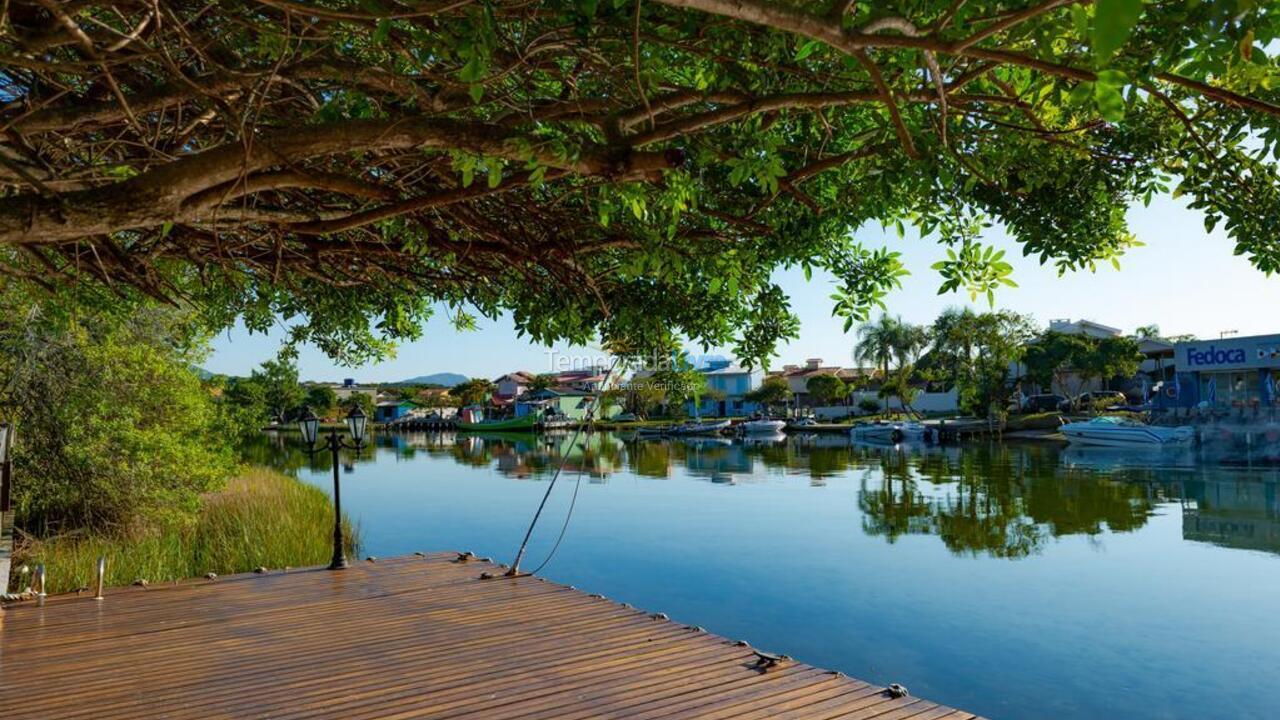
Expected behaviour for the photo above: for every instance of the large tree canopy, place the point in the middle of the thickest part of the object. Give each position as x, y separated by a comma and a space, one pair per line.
620, 170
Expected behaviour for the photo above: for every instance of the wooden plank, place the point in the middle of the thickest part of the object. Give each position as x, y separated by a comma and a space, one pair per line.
412, 637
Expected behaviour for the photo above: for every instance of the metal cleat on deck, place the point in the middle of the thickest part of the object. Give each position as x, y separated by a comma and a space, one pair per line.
767, 661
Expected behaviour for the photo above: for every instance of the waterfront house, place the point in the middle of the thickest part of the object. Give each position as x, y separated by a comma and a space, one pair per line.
566, 401
798, 378
1087, 328
588, 380
727, 386
1068, 382
387, 410
512, 385
434, 397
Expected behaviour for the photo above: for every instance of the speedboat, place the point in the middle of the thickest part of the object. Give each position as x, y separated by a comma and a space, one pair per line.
891, 432
763, 426
1113, 431
701, 428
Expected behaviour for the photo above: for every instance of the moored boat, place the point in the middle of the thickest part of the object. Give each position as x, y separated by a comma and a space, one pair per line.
763, 426
700, 428
891, 432
1113, 431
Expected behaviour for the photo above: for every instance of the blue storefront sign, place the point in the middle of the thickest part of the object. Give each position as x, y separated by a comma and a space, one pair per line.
1235, 371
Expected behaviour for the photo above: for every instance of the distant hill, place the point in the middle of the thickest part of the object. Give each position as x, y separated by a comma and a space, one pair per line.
442, 379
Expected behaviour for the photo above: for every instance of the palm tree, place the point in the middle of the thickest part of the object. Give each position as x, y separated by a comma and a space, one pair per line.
1147, 332
911, 341
878, 342
887, 340
890, 340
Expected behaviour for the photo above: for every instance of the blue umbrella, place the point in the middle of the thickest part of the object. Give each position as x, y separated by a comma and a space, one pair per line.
1270, 386
1213, 391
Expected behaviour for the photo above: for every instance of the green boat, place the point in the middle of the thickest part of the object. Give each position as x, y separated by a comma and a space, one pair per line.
526, 423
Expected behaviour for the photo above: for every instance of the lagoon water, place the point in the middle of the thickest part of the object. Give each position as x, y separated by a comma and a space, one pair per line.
1015, 581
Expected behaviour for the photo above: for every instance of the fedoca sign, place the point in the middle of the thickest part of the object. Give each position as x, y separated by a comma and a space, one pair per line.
1214, 356
1261, 351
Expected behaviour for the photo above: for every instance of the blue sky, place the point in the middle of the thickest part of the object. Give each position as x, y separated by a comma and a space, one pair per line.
1184, 280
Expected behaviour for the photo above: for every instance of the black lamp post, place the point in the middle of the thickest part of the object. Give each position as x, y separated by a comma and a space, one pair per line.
310, 426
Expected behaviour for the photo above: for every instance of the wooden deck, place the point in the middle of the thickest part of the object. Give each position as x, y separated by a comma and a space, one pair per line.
412, 637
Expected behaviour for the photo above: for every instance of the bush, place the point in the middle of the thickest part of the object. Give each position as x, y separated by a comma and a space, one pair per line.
114, 428
261, 518
867, 405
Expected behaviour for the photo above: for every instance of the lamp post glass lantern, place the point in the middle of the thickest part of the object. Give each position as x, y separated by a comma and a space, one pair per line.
309, 424
356, 421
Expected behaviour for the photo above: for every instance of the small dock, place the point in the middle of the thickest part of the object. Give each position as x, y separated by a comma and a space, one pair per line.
412, 637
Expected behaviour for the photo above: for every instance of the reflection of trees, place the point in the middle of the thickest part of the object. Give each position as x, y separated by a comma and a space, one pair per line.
650, 459
995, 500
529, 455
285, 452
893, 509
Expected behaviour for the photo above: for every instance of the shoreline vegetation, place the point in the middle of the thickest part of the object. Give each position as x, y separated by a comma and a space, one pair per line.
259, 518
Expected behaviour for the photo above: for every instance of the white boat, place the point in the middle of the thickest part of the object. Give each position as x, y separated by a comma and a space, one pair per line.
701, 428
891, 432
1112, 431
763, 427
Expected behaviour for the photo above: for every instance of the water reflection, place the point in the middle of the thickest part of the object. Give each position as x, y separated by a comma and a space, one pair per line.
1004, 579
1006, 501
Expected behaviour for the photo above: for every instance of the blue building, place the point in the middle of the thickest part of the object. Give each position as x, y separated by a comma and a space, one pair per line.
1240, 372
729, 383
389, 410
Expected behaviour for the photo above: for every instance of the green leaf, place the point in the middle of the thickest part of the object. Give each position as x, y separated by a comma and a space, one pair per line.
807, 49
1081, 94
1113, 23
1110, 102
1080, 20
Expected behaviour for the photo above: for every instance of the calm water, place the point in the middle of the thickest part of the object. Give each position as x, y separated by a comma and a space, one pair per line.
1013, 581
